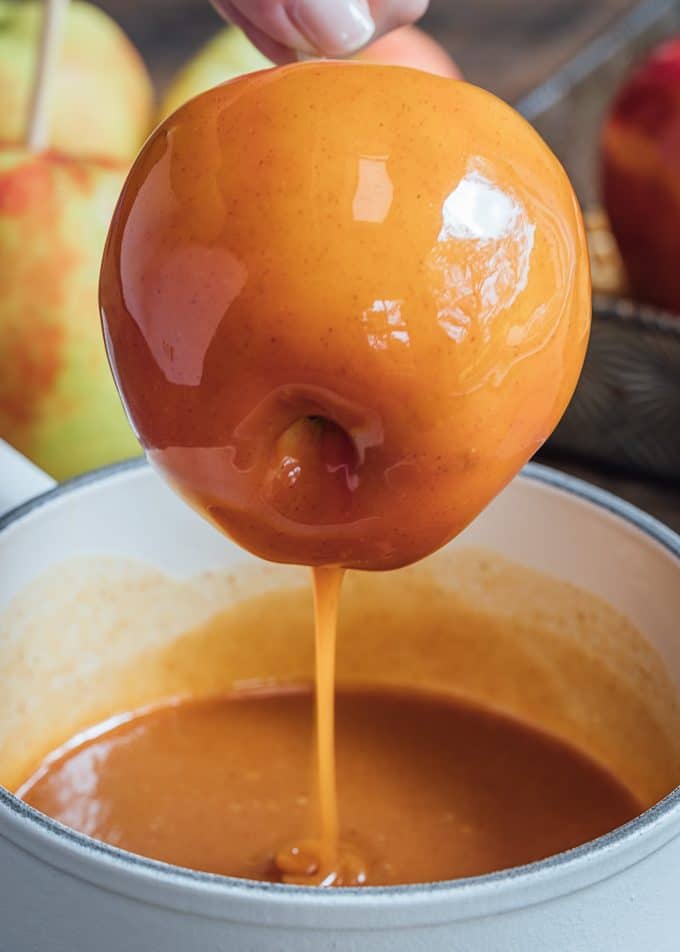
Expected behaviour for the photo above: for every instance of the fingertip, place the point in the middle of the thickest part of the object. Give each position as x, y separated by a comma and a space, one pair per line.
333, 29
277, 52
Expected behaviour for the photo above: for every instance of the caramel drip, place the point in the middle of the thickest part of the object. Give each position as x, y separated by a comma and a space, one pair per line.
323, 862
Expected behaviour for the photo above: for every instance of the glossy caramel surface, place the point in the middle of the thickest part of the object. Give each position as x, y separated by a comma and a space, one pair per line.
344, 304
430, 788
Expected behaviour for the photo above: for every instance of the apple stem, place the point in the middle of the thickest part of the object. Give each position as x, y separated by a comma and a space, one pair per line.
54, 17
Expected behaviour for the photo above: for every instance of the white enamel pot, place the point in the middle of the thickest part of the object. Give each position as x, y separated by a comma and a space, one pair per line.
62, 892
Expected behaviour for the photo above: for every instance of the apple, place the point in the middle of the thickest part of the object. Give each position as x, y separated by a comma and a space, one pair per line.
58, 404
411, 46
340, 322
225, 56
102, 100
640, 166
230, 54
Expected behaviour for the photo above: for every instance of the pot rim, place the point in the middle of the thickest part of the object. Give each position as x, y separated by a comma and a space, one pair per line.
543, 879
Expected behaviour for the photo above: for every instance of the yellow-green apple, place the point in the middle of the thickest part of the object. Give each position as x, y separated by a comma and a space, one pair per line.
102, 98
342, 322
641, 176
230, 53
58, 404
226, 55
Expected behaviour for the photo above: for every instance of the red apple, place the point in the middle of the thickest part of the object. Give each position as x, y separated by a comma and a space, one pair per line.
58, 404
410, 46
641, 176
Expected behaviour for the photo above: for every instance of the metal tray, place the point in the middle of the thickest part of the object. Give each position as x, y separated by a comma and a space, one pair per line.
626, 410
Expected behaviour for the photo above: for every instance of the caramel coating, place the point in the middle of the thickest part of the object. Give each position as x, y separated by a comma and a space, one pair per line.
344, 304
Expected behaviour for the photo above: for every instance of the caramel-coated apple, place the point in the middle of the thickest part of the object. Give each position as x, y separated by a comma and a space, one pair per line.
343, 304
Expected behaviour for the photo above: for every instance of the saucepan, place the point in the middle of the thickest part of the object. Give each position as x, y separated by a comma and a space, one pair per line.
99, 574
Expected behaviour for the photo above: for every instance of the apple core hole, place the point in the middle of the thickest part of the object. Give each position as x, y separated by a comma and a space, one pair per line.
313, 472
336, 447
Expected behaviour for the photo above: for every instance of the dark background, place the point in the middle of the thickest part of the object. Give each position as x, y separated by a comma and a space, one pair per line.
507, 46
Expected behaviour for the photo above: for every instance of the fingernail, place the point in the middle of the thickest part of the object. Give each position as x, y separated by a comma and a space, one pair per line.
334, 27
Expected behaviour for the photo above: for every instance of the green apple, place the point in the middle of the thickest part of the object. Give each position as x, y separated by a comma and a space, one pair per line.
227, 55
58, 402
102, 99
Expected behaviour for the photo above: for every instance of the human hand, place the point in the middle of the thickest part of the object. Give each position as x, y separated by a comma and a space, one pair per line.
284, 29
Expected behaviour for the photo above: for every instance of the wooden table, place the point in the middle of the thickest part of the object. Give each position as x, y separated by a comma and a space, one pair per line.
508, 46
